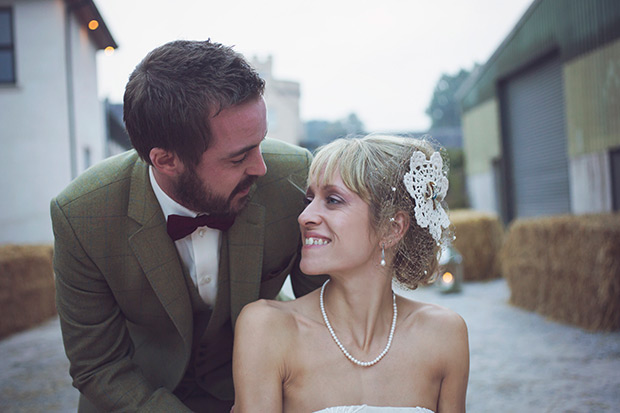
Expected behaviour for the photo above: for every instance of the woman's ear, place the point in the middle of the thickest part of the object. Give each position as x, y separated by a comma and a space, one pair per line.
166, 162
398, 226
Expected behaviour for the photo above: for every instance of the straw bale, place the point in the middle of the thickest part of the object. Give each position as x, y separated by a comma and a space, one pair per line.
26, 287
478, 238
566, 268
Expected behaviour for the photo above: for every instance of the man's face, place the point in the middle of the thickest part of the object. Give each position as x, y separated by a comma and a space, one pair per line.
221, 181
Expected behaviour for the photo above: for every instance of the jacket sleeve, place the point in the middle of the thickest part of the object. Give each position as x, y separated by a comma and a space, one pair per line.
95, 333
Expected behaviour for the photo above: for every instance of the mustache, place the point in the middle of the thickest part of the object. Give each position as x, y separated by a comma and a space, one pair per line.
243, 185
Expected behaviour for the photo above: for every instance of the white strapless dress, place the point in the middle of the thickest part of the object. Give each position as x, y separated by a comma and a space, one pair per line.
373, 409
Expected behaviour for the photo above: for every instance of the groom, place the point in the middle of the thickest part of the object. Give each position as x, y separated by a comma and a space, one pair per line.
158, 249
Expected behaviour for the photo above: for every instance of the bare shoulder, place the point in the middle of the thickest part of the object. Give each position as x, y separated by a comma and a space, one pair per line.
440, 334
276, 319
266, 335
261, 337
435, 321
262, 316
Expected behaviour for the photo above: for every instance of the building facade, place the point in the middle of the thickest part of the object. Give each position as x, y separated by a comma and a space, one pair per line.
52, 121
282, 98
541, 119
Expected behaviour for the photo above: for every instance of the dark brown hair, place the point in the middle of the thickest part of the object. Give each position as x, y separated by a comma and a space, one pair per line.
176, 88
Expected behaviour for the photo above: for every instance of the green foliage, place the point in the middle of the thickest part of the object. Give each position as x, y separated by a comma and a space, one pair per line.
444, 109
457, 194
320, 132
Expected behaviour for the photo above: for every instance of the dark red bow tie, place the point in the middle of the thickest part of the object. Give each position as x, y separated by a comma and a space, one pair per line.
179, 226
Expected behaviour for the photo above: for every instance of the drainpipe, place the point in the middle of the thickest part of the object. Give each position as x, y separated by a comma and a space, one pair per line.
70, 92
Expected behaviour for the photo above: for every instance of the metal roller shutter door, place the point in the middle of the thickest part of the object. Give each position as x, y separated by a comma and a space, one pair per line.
533, 105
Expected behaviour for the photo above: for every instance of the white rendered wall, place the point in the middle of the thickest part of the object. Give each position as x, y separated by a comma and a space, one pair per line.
590, 183
35, 162
481, 192
89, 111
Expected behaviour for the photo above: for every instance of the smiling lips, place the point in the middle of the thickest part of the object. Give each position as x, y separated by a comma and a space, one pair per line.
316, 241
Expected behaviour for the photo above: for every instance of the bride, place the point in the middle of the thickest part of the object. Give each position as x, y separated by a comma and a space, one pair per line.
373, 215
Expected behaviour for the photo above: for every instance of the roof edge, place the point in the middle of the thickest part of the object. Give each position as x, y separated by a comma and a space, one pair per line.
86, 10
477, 74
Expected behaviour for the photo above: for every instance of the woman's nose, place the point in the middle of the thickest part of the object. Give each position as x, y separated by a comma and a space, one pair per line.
308, 216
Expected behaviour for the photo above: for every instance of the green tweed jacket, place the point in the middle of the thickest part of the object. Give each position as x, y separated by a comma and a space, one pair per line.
122, 296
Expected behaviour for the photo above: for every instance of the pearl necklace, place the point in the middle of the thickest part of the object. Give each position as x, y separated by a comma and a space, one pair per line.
344, 350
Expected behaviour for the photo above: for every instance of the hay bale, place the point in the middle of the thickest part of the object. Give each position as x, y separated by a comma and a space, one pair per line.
478, 238
26, 287
566, 268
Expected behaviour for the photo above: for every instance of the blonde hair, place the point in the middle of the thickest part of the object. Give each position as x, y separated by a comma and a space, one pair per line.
373, 167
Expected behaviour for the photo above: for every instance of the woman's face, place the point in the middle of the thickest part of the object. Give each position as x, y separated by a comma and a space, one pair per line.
336, 231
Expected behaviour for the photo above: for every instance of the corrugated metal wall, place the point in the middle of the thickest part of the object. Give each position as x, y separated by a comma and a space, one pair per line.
535, 141
584, 39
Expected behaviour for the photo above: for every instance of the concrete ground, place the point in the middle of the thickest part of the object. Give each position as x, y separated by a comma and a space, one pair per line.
520, 361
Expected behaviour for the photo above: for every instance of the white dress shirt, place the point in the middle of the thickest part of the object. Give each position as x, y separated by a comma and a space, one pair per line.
199, 251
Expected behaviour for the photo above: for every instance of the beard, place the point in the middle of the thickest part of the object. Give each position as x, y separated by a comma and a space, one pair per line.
192, 193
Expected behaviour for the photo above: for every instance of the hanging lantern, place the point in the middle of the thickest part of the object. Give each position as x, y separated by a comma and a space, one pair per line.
450, 277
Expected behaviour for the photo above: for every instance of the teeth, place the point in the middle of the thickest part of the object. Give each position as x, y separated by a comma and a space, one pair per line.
316, 241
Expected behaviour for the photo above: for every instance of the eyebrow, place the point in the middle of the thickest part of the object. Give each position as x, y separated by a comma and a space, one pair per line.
245, 149
328, 188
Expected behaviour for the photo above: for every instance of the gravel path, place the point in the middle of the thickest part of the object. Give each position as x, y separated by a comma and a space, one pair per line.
34, 372
520, 361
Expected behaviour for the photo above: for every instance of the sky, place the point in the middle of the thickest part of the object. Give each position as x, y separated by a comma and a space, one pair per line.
378, 59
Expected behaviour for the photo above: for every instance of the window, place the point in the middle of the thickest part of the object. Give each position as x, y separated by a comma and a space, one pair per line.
7, 53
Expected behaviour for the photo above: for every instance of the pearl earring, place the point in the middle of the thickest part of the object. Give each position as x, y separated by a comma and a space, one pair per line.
382, 263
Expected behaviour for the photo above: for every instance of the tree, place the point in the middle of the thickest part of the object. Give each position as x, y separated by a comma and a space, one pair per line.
353, 125
321, 132
444, 109
457, 197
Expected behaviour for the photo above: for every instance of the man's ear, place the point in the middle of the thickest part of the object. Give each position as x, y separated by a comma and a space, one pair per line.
398, 226
166, 162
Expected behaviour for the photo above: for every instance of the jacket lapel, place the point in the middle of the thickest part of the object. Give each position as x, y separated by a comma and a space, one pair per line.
245, 252
157, 254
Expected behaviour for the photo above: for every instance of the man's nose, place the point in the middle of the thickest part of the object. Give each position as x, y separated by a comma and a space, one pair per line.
257, 165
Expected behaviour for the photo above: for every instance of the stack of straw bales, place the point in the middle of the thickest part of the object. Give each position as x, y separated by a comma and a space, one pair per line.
478, 239
26, 287
566, 268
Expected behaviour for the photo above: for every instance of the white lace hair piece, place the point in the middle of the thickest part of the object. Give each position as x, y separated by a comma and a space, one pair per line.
428, 185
